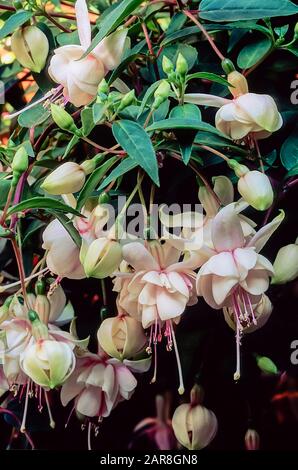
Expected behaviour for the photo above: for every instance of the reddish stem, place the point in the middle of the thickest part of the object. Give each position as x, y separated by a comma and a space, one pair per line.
10, 413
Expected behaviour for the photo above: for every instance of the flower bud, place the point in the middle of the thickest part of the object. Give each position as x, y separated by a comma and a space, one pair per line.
63, 119
227, 66
19, 164
127, 100
101, 258
238, 82
31, 47
48, 362
286, 264
161, 93
121, 337
252, 440
194, 426
254, 186
67, 178
167, 65
43, 307
181, 65
39, 329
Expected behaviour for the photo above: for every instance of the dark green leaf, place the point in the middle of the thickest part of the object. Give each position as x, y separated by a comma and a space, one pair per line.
208, 76
178, 35
136, 142
289, 151
174, 123
34, 116
87, 120
234, 10
98, 110
124, 167
45, 203
33, 227
186, 111
252, 53
14, 22
148, 95
93, 181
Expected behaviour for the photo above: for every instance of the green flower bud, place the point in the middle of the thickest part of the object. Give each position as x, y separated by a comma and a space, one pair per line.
19, 164
167, 65
63, 119
101, 258
286, 264
31, 47
181, 65
104, 198
227, 66
127, 100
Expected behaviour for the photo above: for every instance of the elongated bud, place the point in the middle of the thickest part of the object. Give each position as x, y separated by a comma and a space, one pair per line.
31, 47
121, 337
286, 264
161, 93
181, 65
19, 164
127, 100
254, 186
252, 440
238, 82
167, 65
227, 66
67, 178
63, 119
101, 258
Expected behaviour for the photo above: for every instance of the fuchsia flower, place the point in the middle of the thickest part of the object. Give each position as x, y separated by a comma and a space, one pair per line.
246, 114
236, 275
158, 290
81, 77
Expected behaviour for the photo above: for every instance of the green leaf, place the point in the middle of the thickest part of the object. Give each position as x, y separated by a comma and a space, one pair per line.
68, 225
72, 143
266, 365
14, 22
87, 121
93, 181
98, 110
289, 151
208, 138
33, 227
235, 10
292, 172
174, 123
252, 53
124, 166
208, 76
186, 111
40, 202
113, 20
136, 142
177, 23
178, 35
34, 116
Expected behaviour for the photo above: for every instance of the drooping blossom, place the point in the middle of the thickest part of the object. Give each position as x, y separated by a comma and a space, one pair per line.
79, 77
247, 114
158, 429
158, 290
236, 275
21, 336
99, 383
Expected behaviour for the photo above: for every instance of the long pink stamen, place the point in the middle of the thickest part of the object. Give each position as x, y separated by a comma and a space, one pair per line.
52, 422
23, 424
153, 380
181, 384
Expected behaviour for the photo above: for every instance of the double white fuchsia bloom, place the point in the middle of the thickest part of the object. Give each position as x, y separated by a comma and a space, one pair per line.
236, 275
246, 114
79, 76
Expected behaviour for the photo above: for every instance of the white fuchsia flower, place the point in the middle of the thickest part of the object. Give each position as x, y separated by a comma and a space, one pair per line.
158, 290
236, 275
246, 114
81, 77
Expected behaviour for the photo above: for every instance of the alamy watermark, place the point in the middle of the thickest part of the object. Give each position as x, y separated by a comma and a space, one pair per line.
294, 94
